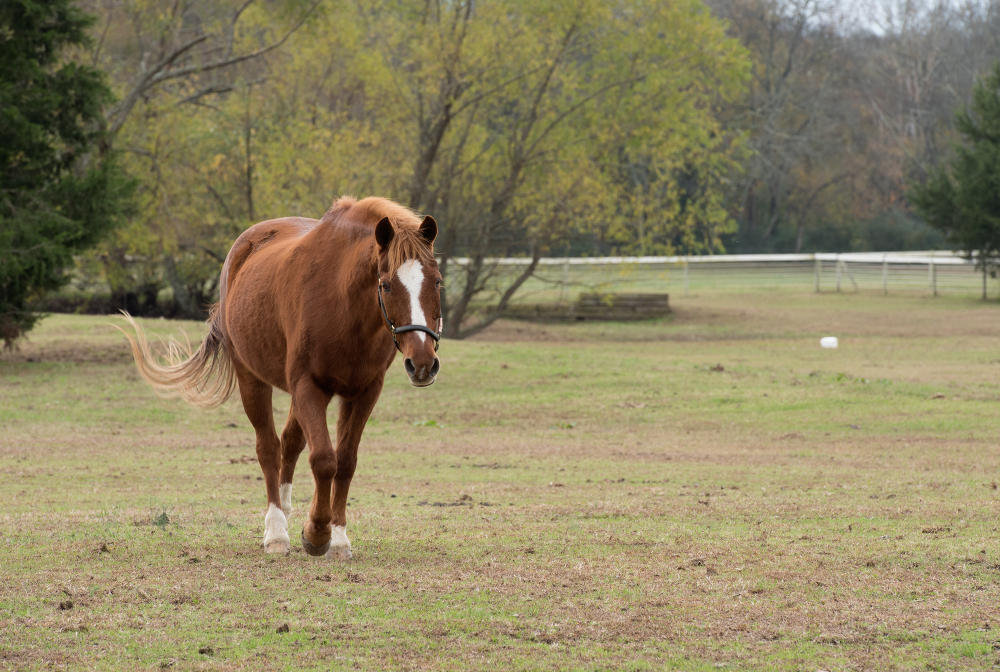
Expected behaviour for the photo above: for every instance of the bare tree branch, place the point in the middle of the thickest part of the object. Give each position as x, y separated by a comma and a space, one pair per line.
215, 88
501, 306
162, 71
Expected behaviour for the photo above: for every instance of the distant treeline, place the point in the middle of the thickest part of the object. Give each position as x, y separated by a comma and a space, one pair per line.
844, 110
526, 127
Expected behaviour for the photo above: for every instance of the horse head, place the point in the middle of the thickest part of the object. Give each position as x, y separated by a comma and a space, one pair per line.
409, 289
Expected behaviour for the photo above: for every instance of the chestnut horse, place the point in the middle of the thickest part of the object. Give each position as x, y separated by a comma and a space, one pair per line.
317, 309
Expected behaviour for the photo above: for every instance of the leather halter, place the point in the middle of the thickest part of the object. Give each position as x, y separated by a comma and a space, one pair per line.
436, 335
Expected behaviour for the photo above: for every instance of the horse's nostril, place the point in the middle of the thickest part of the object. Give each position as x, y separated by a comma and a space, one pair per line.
435, 367
408, 365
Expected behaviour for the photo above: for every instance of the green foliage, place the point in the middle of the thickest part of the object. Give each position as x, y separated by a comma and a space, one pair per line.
508, 121
886, 231
159, 517
964, 202
56, 197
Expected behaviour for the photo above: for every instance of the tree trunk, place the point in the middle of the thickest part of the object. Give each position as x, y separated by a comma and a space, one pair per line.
501, 306
430, 140
185, 306
248, 128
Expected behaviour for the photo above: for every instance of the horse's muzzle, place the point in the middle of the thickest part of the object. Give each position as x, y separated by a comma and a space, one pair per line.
422, 375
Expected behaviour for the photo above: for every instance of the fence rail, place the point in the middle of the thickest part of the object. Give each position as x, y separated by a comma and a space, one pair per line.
926, 272
945, 257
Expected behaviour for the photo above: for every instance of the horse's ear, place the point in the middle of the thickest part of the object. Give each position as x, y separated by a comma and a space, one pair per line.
384, 233
429, 229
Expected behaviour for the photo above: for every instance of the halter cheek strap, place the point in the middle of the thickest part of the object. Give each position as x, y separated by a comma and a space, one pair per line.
393, 329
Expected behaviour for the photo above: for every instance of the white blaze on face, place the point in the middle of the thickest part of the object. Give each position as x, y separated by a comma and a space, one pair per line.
411, 274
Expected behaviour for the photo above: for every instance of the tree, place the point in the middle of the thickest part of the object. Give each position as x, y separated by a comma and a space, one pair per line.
794, 110
189, 75
505, 119
57, 196
964, 202
519, 115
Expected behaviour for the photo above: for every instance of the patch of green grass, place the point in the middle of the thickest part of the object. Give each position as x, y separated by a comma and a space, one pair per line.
602, 499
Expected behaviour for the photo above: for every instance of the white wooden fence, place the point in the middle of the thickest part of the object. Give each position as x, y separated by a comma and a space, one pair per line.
930, 272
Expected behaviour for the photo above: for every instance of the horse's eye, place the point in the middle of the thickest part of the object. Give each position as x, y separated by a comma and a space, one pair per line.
437, 285
386, 287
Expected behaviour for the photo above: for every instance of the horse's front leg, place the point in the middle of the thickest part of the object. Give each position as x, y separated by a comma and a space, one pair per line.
350, 425
310, 404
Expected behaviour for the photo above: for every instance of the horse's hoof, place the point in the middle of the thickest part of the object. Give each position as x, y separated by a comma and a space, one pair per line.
278, 546
314, 550
340, 545
341, 553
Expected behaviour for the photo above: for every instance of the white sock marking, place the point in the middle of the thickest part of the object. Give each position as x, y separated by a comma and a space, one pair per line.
285, 493
338, 537
411, 274
340, 545
275, 526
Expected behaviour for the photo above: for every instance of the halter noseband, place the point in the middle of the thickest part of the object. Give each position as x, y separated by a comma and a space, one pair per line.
436, 335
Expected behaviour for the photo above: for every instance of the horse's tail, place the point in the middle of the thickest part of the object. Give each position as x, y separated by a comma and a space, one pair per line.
204, 379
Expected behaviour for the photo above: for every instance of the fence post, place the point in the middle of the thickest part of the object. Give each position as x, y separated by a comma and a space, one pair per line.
932, 276
885, 275
685, 276
565, 279
839, 262
817, 273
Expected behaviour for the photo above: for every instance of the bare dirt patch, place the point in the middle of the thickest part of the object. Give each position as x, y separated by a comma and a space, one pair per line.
67, 351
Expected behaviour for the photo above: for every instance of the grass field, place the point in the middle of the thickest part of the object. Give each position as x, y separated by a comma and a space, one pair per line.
711, 491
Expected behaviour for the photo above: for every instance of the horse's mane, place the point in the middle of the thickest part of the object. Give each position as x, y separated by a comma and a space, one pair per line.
408, 243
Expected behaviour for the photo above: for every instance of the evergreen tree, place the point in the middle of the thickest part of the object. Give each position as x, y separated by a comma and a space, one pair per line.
964, 202
57, 194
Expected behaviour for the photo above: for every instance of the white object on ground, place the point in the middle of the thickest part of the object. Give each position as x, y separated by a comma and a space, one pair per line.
828, 342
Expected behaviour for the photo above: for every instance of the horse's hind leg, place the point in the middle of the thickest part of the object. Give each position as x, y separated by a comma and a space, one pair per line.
293, 441
256, 396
